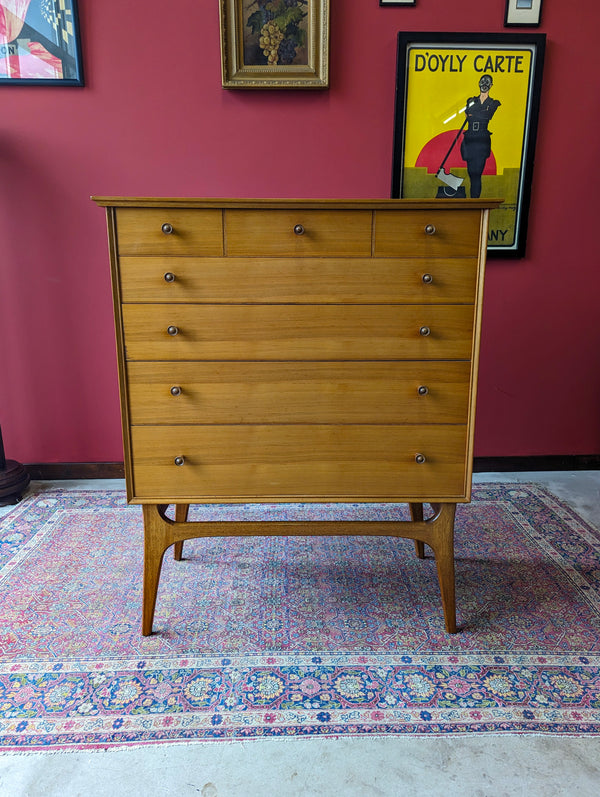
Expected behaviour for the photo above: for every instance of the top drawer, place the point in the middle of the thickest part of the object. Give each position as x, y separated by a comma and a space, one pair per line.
298, 233
169, 231
427, 233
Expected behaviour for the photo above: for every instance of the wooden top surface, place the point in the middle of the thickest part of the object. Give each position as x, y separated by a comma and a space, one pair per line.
319, 204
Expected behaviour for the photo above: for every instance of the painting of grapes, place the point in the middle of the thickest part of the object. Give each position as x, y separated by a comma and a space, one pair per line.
275, 32
274, 44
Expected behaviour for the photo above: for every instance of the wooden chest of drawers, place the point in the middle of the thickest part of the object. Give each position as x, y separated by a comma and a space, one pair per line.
296, 350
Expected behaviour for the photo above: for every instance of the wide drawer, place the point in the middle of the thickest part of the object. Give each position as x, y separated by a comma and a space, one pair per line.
169, 231
281, 462
297, 332
313, 392
294, 280
298, 233
427, 233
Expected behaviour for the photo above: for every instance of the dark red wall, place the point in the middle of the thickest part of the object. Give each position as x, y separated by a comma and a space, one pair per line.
154, 120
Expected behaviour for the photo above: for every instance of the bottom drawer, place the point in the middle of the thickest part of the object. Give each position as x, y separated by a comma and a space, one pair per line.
298, 462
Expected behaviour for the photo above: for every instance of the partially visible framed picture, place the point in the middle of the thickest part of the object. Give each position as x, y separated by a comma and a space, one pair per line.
523, 13
466, 122
274, 44
40, 43
397, 2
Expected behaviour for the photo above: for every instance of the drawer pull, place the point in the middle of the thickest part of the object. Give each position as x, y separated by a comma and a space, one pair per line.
424, 332
173, 330
167, 228
420, 459
427, 279
179, 461
176, 390
430, 229
422, 390
169, 277
299, 229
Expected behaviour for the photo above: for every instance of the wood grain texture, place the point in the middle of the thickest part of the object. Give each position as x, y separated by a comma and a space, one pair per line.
455, 232
297, 332
255, 232
304, 392
299, 462
195, 232
246, 203
316, 280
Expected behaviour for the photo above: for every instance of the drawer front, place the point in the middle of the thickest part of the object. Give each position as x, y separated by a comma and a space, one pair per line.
298, 233
427, 233
332, 392
172, 231
297, 332
318, 280
298, 462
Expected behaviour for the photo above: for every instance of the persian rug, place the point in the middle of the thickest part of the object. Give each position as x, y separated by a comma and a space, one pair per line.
295, 636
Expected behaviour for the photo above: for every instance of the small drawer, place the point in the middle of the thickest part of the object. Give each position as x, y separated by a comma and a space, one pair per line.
169, 231
427, 233
305, 462
298, 233
297, 332
319, 280
307, 392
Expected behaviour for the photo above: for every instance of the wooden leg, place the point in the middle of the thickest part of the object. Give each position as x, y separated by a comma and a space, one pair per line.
443, 547
416, 513
160, 532
156, 541
181, 516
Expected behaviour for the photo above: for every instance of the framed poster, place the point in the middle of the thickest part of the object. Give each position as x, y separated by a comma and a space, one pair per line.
274, 44
466, 121
39, 43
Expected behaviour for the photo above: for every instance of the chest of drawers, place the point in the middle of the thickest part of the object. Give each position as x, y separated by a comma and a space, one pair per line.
297, 350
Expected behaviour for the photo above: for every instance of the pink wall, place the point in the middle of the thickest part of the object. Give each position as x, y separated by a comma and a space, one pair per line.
154, 120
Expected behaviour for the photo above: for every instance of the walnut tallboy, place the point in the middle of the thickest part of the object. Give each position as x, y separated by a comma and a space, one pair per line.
297, 351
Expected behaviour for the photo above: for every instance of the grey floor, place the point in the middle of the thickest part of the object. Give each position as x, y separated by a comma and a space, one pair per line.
490, 766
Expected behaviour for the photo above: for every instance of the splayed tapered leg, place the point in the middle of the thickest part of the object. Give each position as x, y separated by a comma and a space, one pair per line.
156, 541
181, 516
416, 513
443, 548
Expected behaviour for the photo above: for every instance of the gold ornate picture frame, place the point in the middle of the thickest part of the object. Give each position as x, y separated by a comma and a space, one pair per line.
274, 44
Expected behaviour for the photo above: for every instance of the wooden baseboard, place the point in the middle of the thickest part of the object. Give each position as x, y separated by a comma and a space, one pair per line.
51, 471
539, 463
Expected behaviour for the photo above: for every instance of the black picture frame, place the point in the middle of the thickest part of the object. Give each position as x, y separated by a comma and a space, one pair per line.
44, 48
437, 74
523, 13
397, 2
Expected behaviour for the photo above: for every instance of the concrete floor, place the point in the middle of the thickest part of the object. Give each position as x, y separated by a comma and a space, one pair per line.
487, 766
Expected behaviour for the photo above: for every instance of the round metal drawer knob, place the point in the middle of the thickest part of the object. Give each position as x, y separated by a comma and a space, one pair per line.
424, 332
299, 229
173, 330
427, 279
169, 277
167, 228
420, 459
179, 461
430, 229
422, 390
176, 390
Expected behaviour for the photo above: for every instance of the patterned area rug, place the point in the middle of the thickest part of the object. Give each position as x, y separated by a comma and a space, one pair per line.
293, 636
